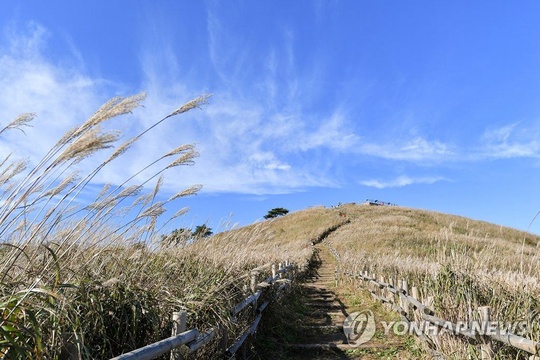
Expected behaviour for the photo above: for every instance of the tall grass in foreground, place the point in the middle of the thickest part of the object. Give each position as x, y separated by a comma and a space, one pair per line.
458, 263
95, 278
85, 277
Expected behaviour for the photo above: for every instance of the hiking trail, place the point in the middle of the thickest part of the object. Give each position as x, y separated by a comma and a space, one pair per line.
323, 307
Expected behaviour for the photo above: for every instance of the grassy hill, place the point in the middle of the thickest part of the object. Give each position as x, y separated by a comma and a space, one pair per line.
88, 268
459, 264
115, 296
390, 239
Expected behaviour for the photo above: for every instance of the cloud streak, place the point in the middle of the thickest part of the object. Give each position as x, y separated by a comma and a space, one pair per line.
59, 95
416, 149
259, 135
401, 181
510, 141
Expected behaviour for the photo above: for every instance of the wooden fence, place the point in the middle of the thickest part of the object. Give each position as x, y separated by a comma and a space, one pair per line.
184, 341
395, 294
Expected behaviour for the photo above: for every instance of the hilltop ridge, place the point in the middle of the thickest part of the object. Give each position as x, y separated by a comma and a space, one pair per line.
459, 264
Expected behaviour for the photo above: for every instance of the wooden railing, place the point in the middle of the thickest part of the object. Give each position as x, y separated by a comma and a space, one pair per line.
281, 276
396, 296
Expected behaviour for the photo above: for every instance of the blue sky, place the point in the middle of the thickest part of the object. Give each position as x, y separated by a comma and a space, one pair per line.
425, 104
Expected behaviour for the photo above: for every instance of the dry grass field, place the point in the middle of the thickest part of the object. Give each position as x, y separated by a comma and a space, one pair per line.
91, 270
458, 263
98, 275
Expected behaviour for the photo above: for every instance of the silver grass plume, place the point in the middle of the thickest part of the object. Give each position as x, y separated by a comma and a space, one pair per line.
129, 191
12, 170
195, 103
184, 159
180, 212
114, 107
180, 149
159, 183
68, 180
143, 199
20, 122
120, 150
153, 210
103, 191
89, 143
192, 190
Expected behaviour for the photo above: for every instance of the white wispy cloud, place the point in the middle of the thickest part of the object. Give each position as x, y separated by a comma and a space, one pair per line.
513, 140
241, 140
414, 150
401, 181
530, 149
246, 144
259, 134
229, 52
267, 160
60, 96
63, 96
333, 132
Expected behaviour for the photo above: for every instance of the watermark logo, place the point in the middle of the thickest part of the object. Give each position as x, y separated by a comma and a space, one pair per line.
471, 328
359, 327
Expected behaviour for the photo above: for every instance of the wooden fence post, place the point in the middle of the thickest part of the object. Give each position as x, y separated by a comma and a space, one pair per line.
392, 283
383, 292
470, 313
429, 301
415, 294
253, 284
365, 279
179, 319
486, 350
224, 341
405, 303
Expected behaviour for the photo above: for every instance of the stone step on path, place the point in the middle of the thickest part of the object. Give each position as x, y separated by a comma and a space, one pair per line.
323, 316
325, 310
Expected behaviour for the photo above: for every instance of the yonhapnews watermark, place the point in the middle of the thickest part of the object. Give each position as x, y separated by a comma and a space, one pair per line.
359, 327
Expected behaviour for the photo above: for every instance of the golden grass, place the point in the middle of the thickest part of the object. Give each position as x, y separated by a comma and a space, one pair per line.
97, 276
88, 275
283, 238
428, 240
458, 263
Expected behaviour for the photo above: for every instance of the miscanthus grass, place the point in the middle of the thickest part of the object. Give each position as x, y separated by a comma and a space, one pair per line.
284, 238
89, 277
458, 264
96, 277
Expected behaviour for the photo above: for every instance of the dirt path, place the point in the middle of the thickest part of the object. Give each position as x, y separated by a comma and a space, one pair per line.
323, 315
319, 311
